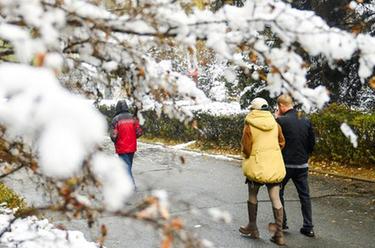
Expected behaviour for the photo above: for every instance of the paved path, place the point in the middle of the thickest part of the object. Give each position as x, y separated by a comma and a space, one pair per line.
344, 211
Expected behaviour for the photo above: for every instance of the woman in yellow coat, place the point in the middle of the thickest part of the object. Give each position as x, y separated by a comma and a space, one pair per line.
262, 141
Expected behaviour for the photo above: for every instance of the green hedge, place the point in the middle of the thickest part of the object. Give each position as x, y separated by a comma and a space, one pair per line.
164, 127
224, 132
220, 131
332, 145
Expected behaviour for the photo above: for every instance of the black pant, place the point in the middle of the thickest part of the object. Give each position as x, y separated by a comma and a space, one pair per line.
299, 178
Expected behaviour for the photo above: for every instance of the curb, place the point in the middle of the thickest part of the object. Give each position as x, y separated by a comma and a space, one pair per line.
343, 176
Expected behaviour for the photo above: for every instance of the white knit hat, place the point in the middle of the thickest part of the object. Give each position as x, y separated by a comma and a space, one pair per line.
259, 103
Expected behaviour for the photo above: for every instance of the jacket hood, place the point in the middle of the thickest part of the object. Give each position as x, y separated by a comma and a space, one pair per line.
261, 119
121, 107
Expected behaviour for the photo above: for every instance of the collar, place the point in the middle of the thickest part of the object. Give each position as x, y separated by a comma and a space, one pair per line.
290, 111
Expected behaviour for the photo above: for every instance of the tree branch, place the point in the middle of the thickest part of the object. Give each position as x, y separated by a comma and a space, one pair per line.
12, 171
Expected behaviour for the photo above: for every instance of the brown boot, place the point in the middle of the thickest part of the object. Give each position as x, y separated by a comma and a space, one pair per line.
277, 227
251, 229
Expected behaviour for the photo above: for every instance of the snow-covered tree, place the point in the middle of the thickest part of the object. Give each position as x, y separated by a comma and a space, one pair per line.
341, 78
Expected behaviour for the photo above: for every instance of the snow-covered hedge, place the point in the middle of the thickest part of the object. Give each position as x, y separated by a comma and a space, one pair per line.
224, 132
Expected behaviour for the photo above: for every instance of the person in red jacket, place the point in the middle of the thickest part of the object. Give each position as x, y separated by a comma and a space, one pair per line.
125, 130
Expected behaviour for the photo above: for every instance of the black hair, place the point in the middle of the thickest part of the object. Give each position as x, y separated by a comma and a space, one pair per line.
264, 107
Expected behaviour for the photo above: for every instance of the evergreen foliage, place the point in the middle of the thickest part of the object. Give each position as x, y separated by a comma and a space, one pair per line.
332, 145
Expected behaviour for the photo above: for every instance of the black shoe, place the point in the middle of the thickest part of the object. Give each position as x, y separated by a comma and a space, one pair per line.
285, 226
307, 232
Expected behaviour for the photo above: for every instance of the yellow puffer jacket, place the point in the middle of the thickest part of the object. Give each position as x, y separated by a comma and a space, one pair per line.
264, 164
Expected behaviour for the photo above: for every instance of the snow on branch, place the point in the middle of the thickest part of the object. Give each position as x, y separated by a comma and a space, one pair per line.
63, 129
118, 41
348, 132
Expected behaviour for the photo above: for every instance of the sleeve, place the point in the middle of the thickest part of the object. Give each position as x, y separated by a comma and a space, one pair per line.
311, 138
246, 141
138, 129
113, 130
281, 137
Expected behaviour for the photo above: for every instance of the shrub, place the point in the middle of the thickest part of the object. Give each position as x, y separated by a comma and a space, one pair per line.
220, 131
167, 128
107, 110
332, 145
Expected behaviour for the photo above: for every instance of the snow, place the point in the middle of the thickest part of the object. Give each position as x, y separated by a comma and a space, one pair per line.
117, 184
230, 75
162, 196
84, 9
184, 145
207, 243
223, 30
348, 132
110, 66
25, 47
353, 5
30, 232
219, 215
210, 107
64, 129
53, 61
183, 149
217, 108
218, 91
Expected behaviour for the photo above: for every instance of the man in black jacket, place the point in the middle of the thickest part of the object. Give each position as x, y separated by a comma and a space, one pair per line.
299, 144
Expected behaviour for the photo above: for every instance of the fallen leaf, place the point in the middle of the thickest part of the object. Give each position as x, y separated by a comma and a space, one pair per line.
103, 230
182, 159
177, 224
167, 241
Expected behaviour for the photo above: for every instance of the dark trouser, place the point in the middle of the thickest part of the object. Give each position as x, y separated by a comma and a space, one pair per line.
128, 159
299, 178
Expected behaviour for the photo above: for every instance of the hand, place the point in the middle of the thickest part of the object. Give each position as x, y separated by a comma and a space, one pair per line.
277, 113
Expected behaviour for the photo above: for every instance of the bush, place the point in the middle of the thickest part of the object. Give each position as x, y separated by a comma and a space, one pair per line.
333, 146
220, 131
167, 128
108, 111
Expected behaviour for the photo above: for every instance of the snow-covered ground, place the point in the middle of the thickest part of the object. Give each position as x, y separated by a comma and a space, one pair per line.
31, 232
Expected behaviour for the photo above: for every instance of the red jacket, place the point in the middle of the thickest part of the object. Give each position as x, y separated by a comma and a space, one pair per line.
125, 130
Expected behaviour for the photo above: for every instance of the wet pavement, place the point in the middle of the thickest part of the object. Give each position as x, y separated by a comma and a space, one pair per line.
343, 210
